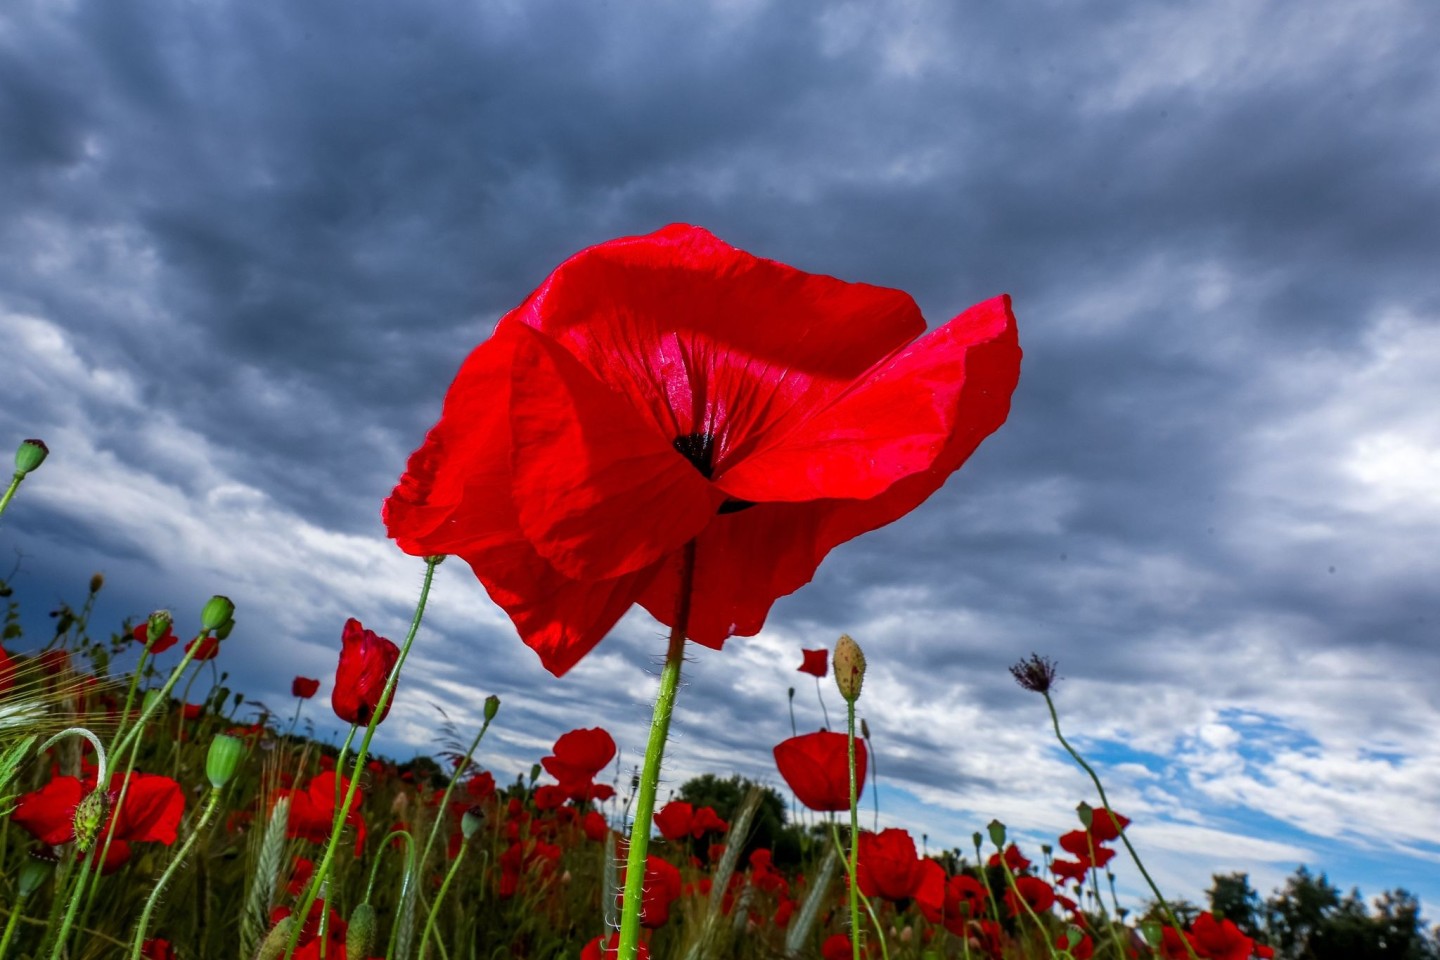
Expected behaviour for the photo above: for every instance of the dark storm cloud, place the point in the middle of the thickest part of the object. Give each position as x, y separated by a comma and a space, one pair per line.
288, 226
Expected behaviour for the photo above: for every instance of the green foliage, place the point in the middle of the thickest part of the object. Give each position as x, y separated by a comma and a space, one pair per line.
1309, 920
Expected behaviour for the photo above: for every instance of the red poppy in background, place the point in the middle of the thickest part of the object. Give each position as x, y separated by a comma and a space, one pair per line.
8, 668
964, 901
579, 756
1104, 827
817, 767
1220, 939
603, 949
366, 659
208, 647
666, 388
814, 662
157, 949
304, 687
662, 887
141, 635
312, 810
1035, 892
1014, 859
889, 867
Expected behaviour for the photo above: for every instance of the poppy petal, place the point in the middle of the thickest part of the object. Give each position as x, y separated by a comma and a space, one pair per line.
598, 491
896, 421
152, 809
708, 339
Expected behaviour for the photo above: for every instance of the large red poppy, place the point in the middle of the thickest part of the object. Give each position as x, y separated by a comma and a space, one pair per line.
889, 867
667, 388
366, 660
817, 767
151, 812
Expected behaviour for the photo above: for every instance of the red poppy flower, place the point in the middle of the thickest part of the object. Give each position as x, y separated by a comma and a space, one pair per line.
312, 810
1105, 828
889, 867
8, 669
304, 687
157, 949
151, 812
1086, 848
365, 662
817, 767
141, 635
579, 756
1172, 944
1220, 939
964, 901
814, 662
667, 388
1014, 859
481, 786
1035, 892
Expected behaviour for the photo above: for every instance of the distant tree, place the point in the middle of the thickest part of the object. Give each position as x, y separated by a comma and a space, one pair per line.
1399, 929
768, 830
1294, 915
1309, 920
1231, 897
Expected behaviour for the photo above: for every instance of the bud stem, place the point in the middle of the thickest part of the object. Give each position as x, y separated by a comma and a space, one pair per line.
211, 806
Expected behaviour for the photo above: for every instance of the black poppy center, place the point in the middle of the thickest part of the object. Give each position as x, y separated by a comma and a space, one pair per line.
699, 449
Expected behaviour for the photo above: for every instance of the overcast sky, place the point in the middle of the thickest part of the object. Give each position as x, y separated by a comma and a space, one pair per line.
244, 248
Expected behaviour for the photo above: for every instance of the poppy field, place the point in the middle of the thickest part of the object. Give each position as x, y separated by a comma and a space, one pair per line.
666, 421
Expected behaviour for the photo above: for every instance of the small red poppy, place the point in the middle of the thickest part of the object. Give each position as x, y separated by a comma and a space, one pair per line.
1220, 939
141, 635
304, 687
206, 647
817, 767
580, 755
312, 810
815, 662
1035, 892
662, 887
669, 388
366, 659
889, 867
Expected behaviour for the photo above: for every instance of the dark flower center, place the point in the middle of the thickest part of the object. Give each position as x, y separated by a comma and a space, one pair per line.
699, 449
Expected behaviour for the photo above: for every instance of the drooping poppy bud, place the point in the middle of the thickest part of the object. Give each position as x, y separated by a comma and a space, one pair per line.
365, 662
89, 818
360, 934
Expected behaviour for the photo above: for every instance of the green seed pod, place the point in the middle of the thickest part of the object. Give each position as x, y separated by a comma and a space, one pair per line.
89, 818
997, 833
29, 455
216, 611
1086, 813
849, 664
224, 758
360, 934
492, 707
471, 820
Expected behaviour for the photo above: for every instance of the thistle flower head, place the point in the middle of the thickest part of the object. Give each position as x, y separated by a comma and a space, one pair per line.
1035, 673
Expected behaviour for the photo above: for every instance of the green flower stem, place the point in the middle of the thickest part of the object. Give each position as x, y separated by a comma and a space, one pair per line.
163, 697
1029, 910
864, 901
210, 807
1105, 802
130, 693
58, 950
339, 817
444, 807
439, 897
650, 774
853, 860
322, 869
984, 873
17, 908
823, 709
405, 908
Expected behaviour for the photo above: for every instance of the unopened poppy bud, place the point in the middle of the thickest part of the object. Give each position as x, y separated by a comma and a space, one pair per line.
1086, 813
864, 729
975, 838
471, 820
223, 759
492, 707
89, 818
158, 624
216, 611
792, 693
849, 667
34, 870
534, 772
360, 934
97, 580
276, 940
29, 455
997, 833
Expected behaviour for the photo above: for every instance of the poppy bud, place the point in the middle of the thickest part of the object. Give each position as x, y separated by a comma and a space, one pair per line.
534, 772
217, 610
159, 623
29, 455
96, 582
849, 667
276, 940
1153, 932
360, 934
864, 729
89, 818
1086, 813
222, 760
223, 631
492, 707
997, 833
366, 660
471, 820
34, 871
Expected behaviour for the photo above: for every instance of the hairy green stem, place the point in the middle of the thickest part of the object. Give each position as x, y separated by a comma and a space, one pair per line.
852, 861
444, 808
210, 807
439, 898
650, 773
1105, 802
322, 869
